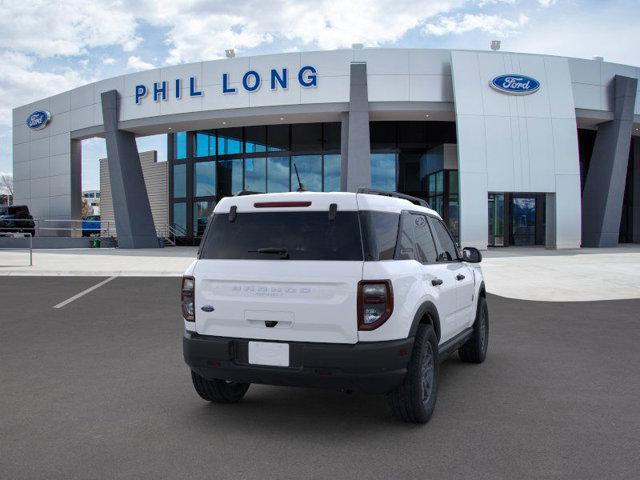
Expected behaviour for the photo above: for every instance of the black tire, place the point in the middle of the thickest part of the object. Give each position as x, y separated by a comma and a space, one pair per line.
415, 400
475, 349
219, 391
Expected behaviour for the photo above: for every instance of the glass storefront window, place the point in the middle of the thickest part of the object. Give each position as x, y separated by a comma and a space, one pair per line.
306, 137
310, 171
255, 174
332, 135
278, 137
201, 212
229, 141
204, 179
180, 146
180, 217
278, 174
332, 173
255, 139
180, 180
205, 144
383, 171
229, 174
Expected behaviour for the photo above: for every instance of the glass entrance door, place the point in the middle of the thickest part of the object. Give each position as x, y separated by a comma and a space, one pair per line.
496, 220
523, 220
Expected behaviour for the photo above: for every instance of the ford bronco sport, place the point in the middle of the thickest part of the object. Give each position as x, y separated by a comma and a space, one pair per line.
356, 291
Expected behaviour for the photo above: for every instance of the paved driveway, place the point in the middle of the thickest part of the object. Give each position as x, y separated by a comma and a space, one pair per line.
97, 389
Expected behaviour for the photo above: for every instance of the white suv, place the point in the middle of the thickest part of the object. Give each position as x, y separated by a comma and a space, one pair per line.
363, 291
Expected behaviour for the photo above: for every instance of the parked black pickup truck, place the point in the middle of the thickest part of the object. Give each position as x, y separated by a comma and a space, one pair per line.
17, 219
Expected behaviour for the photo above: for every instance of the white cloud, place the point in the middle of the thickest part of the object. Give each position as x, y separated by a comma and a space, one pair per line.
135, 63
21, 83
547, 3
491, 24
323, 24
71, 27
108, 61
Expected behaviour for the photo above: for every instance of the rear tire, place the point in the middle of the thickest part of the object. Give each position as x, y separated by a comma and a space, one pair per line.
219, 391
415, 399
475, 349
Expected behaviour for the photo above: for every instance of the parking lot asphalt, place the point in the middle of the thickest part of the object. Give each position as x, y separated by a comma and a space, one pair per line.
98, 389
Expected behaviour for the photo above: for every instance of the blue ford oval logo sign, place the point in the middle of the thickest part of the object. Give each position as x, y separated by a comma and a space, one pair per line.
515, 84
38, 119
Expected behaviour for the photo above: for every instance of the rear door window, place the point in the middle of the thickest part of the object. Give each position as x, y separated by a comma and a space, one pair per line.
447, 250
425, 249
284, 235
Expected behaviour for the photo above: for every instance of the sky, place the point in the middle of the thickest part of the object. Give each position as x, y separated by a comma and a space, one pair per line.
48, 47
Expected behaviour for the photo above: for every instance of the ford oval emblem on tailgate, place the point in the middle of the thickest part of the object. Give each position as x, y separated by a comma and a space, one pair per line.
207, 308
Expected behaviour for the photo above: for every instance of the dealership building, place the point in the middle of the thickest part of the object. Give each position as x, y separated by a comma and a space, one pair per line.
511, 149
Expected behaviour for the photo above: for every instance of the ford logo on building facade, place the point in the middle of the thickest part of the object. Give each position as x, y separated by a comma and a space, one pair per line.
515, 84
38, 119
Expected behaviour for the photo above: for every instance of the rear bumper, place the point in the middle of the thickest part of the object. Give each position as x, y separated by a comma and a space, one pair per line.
372, 367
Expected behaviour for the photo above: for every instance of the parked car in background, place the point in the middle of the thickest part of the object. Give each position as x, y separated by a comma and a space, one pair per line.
91, 225
17, 219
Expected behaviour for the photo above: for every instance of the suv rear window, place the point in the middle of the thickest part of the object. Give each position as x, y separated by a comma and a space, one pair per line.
276, 235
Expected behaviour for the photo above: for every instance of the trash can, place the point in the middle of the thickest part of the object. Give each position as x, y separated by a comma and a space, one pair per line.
95, 243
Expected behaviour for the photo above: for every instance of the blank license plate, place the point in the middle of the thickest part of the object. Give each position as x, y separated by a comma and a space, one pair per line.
269, 353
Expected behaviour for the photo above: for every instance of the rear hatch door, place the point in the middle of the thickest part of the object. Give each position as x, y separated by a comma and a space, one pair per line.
281, 270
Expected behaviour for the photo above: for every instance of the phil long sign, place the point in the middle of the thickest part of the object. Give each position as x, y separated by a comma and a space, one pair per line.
250, 81
515, 84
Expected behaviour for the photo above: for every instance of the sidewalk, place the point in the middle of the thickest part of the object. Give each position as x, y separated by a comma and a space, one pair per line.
522, 273
99, 262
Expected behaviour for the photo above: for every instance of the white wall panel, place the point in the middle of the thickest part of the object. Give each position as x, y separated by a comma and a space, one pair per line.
115, 83
39, 168
429, 62
585, 71
388, 88
587, 96
39, 207
60, 185
334, 89
39, 149
81, 97
60, 103
212, 71
541, 155
59, 165
21, 152
430, 88
39, 188
20, 133
329, 64
82, 117
59, 144
500, 159
384, 61
60, 123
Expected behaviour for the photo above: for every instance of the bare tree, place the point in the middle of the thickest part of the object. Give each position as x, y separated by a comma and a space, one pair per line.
6, 185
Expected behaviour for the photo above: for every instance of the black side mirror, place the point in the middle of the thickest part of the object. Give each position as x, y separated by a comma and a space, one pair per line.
471, 255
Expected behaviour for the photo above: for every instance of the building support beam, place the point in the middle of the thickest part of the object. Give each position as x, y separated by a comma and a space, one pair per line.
636, 190
604, 187
356, 148
131, 208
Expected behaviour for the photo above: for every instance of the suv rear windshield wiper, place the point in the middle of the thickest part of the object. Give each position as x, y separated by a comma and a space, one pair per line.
283, 252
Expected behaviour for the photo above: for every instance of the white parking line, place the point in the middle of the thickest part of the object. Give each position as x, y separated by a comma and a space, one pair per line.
82, 293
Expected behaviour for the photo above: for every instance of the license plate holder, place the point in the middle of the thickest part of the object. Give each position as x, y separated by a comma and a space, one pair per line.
272, 354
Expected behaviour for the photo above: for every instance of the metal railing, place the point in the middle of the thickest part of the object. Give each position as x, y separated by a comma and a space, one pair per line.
171, 232
20, 235
45, 227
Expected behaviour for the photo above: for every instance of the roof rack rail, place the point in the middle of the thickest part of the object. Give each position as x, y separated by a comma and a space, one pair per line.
414, 200
242, 193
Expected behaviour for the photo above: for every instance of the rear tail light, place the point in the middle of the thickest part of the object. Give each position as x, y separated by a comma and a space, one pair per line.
187, 298
375, 303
